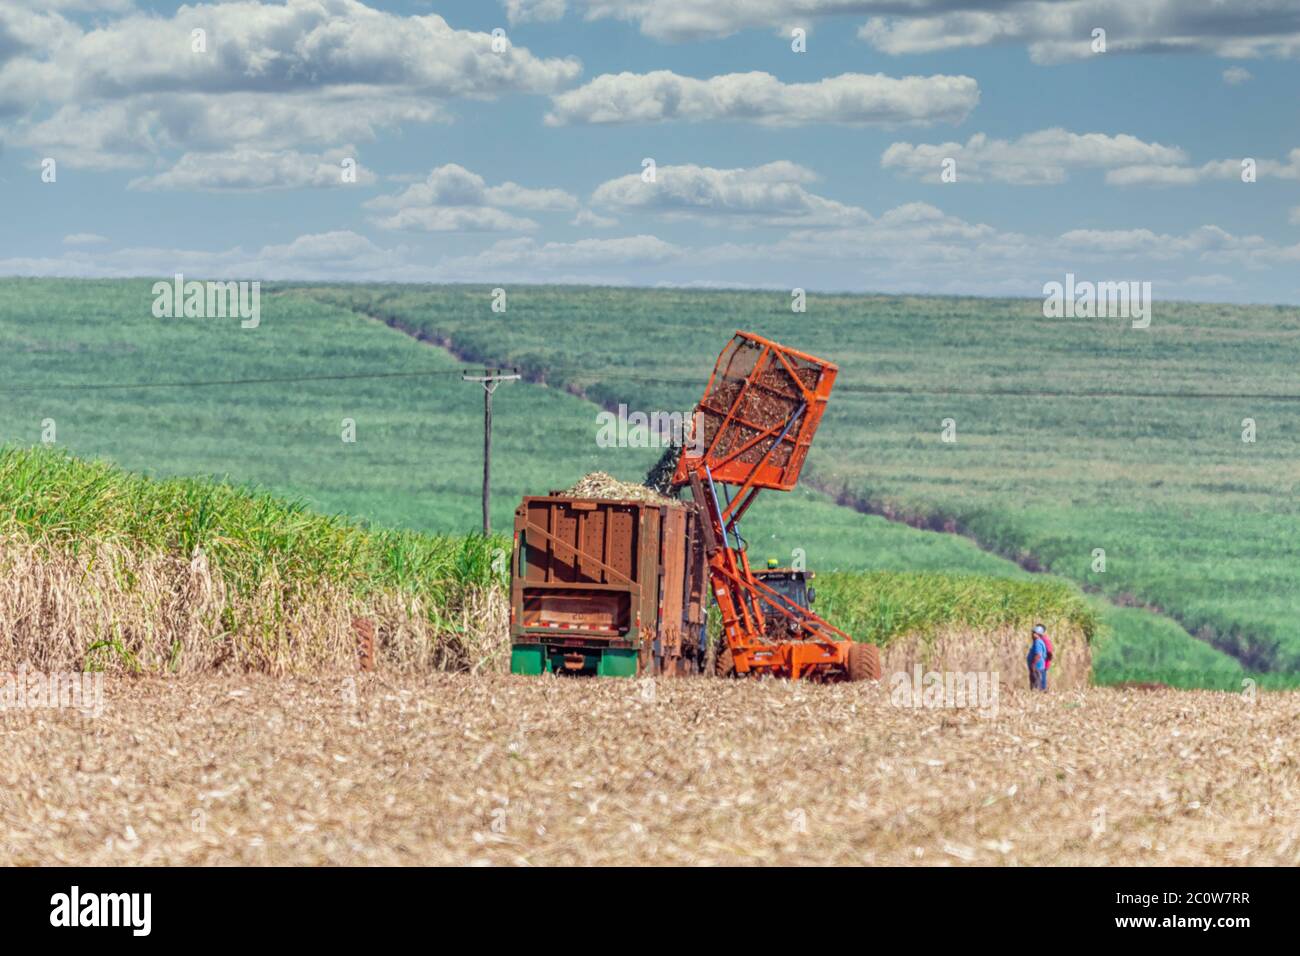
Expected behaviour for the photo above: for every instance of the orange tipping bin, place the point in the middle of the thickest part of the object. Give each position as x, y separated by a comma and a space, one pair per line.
607, 587
752, 430
761, 398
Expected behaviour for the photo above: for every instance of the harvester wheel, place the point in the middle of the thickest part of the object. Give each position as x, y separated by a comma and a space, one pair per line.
864, 662
722, 665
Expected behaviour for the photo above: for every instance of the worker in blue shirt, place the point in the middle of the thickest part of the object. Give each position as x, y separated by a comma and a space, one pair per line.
1037, 659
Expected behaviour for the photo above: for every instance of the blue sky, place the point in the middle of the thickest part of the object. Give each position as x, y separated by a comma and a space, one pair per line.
778, 169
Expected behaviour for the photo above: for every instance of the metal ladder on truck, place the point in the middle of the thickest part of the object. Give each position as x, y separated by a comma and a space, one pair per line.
753, 428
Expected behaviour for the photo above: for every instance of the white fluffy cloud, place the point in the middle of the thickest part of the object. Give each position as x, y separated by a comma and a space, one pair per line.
521, 197
524, 11
452, 198
772, 194
1221, 169
135, 131
1052, 30
593, 220
1203, 244
849, 99
272, 77
455, 219
256, 169
1045, 157
1055, 31
1153, 176
915, 235
76, 6
323, 256
1035, 158
300, 45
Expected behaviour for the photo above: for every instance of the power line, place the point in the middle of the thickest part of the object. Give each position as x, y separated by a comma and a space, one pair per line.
1036, 393
615, 378
905, 390
100, 386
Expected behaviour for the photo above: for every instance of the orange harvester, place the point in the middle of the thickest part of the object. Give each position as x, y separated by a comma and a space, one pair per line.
753, 428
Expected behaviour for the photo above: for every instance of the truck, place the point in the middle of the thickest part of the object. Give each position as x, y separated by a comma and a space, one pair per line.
607, 587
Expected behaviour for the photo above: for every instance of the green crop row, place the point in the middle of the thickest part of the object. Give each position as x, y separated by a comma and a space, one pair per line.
53, 498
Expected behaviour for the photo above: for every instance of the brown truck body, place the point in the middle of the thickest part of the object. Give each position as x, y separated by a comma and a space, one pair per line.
611, 587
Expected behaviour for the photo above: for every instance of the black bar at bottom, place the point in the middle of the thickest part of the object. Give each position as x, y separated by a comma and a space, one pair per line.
333, 907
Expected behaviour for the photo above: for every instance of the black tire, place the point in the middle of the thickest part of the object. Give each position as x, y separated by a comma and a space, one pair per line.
864, 662
722, 664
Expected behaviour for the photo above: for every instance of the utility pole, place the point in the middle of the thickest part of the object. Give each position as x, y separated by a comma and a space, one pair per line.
490, 379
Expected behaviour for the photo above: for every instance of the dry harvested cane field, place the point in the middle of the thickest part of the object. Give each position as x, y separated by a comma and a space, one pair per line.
470, 769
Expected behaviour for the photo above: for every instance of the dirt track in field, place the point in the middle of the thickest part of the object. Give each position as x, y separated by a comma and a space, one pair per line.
458, 769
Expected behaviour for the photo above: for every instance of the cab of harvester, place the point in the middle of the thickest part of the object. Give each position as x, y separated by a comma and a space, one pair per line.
792, 584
